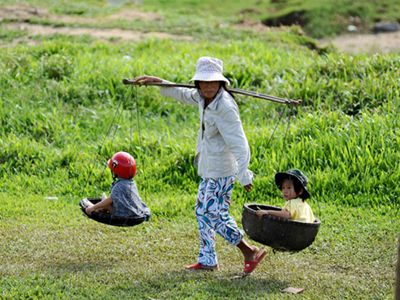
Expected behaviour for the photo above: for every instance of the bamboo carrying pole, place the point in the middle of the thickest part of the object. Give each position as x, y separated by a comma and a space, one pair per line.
397, 296
236, 91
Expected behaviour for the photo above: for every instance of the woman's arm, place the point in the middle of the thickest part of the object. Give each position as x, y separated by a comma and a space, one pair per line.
184, 95
277, 213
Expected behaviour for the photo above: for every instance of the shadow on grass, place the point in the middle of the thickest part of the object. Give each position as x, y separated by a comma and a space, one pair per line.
141, 283
211, 285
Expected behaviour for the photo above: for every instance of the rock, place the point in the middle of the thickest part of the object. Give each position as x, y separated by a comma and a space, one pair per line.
351, 28
386, 27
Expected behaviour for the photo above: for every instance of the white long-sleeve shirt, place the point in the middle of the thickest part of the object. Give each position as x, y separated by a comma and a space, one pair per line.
221, 143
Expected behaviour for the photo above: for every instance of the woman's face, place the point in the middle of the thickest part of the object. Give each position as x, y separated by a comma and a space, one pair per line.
209, 89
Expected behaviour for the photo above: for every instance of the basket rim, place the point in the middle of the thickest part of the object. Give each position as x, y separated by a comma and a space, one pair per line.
246, 207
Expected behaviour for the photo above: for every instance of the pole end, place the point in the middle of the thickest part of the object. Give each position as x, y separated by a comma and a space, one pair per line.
125, 81
295, 102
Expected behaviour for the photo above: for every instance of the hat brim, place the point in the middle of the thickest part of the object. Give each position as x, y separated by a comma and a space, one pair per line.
209, 77
280, 176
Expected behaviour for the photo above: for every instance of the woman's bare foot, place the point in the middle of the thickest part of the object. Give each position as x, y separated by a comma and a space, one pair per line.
252, 256
250, 253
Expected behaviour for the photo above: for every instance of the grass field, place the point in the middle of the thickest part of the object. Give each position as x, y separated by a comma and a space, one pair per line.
319, 19
64, 111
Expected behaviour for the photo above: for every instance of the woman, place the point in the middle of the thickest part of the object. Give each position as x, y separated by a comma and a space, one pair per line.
222, 155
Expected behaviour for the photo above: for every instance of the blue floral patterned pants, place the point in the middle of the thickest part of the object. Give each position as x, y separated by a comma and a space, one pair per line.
212, 213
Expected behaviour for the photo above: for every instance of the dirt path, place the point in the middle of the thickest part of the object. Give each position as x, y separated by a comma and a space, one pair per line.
20, 14
102, 34
24, 12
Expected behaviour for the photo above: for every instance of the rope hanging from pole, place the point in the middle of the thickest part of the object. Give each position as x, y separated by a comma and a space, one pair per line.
107, 218
116, 118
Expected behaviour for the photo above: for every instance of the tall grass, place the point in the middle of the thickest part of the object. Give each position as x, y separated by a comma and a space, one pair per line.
60, 101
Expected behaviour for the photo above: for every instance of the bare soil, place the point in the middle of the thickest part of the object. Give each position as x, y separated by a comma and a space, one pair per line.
102, 34
24, 12
255, 25
19, 14
381, 43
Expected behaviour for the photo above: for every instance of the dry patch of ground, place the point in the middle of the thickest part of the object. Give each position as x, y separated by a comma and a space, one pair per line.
102, 34
134, 14
21, 13
381, 43
249, 24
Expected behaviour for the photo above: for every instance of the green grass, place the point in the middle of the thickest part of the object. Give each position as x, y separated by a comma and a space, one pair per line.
64, 111
51, 251
322, 18
76, 95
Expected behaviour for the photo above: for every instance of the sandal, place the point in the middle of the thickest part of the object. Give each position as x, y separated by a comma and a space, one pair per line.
251, 265
202, 267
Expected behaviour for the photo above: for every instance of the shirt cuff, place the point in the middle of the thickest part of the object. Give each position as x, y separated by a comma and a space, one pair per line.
247, 178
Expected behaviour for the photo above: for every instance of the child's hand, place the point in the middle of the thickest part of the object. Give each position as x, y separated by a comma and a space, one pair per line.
260, 213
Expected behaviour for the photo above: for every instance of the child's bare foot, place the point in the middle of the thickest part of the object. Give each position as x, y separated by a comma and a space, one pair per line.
249, 252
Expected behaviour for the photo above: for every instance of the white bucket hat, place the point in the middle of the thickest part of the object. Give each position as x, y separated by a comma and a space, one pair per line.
209, 69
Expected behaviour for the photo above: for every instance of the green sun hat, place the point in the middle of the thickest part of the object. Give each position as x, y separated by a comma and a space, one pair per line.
294, 174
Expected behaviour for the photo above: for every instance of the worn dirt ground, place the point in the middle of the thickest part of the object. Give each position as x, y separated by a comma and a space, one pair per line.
381, 43
19, 14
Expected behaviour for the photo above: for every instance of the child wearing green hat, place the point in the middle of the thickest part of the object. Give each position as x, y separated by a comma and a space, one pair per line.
293, 185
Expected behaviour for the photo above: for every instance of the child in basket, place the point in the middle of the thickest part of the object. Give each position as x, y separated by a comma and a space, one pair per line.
124, 199
293, 185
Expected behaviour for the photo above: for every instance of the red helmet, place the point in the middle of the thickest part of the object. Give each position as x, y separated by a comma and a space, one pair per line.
123, 164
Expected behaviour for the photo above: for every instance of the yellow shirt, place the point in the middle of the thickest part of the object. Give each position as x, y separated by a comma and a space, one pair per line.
299, 210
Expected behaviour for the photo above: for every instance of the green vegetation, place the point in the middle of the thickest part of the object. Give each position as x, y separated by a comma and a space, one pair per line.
64, 111
319, 19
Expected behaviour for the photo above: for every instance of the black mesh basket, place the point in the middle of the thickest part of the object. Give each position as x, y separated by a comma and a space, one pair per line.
278, 233
110, 219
